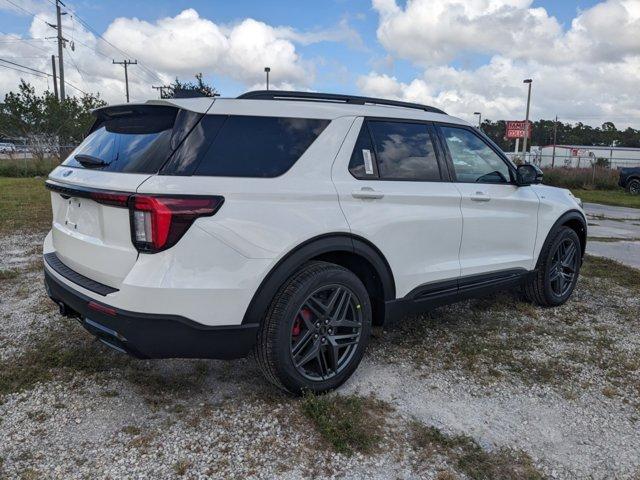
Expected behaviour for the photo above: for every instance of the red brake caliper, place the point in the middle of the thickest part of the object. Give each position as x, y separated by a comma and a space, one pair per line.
304, 315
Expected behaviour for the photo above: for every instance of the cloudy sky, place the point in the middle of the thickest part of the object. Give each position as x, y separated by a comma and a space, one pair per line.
460, 55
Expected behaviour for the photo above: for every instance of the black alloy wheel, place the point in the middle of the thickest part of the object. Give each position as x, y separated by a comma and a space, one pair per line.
564, 267
326, 332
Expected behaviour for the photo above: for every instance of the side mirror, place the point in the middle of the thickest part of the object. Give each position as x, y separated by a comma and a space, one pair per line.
528, 174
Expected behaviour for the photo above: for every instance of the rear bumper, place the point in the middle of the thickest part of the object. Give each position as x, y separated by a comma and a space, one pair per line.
151, 335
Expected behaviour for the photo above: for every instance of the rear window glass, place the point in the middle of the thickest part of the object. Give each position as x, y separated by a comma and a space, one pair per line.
247, 146
129, 143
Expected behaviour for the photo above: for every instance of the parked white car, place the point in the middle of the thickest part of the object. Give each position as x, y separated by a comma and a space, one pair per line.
288, 223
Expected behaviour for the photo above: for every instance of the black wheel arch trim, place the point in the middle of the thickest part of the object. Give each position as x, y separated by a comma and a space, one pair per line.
312, 248
562, 220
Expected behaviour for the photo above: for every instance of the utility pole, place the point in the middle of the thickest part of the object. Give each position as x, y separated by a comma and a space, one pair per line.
555, 139
55, 81
526, 122
61, 43
161, 88
126, 63
267, 70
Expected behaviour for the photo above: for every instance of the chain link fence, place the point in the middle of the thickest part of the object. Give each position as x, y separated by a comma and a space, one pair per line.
31, 160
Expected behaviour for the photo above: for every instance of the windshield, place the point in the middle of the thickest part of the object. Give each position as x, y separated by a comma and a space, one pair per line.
136, 142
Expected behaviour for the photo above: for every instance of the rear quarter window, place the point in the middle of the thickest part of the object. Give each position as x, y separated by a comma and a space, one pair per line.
245, 146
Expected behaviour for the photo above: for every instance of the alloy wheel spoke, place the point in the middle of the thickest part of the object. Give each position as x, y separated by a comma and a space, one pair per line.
316, 306
311, 354
341, 308
302, 342
322, 361
345, 323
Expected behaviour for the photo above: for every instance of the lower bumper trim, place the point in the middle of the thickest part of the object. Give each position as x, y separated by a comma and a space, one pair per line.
154, 336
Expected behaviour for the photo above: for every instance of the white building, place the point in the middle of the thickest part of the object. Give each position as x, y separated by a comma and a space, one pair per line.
584, 156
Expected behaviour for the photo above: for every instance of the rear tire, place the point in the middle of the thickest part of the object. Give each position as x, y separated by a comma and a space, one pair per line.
316, 329
633, 187
557, 271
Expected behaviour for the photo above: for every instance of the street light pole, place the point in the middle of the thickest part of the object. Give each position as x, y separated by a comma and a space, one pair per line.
479, 119
526, 121
267, 70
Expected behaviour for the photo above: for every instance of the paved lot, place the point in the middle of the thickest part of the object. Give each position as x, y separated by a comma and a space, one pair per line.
614, 232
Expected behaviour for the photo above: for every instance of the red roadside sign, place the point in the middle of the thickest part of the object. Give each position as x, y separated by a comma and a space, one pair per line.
515, 129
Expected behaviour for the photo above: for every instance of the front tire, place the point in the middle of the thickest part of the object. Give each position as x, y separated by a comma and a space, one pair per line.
557, 271
316, 329
633, 187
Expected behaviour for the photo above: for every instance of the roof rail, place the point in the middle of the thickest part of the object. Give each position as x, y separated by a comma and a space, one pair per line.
332, 97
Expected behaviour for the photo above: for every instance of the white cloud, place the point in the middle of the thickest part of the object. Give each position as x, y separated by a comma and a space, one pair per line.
437, 31
588, 73
173, 46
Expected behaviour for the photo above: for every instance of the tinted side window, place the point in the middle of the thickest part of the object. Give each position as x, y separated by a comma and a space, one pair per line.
363, 162
473, 160
404, 151
258, 146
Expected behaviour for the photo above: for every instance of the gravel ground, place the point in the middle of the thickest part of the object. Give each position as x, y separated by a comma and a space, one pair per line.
560, 385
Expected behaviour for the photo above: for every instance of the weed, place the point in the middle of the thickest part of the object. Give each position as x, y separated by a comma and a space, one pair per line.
131, 430
8, 274
616, 272
471, 458
348, 423
181, 467
62, 351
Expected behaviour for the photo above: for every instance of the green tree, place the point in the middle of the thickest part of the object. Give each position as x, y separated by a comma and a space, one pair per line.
189, 89
43, 121
567, 134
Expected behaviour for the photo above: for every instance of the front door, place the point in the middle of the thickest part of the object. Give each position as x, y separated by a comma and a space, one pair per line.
500, 219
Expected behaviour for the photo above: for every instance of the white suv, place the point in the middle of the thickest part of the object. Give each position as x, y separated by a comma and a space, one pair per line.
287, 223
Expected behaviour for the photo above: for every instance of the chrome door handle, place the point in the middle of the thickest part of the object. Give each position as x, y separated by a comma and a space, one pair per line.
367, 193
480, 197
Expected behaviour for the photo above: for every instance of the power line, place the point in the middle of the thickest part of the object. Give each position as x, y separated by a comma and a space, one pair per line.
23, 71
125, 54
40, 72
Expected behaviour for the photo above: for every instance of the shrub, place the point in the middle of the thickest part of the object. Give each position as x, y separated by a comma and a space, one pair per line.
588, 178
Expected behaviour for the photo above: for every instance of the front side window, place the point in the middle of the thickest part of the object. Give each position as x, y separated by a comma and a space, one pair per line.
473, 160
404, 151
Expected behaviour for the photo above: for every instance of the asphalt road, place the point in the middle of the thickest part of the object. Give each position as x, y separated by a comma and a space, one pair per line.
614, 232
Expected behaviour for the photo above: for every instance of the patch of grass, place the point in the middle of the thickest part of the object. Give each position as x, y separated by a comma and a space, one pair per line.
181, 466
470, 458
154, 384
617, 272
617, 198
63, 350
23, 168
25, 204
349, 423
131, 430
8, 274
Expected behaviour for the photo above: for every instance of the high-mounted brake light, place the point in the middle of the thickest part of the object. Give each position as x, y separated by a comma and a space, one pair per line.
158, 222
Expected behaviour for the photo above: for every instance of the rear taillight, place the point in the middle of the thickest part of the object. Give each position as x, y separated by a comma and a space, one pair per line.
158, 222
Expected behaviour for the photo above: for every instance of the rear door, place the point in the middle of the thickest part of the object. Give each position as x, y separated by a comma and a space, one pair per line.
125, 147
500, 218
392, 190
